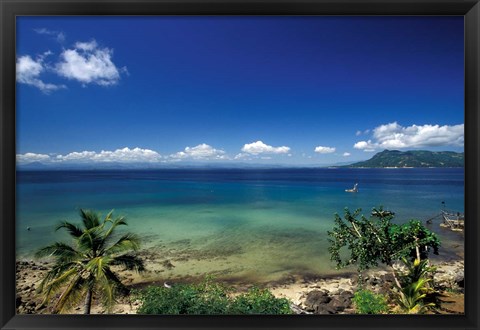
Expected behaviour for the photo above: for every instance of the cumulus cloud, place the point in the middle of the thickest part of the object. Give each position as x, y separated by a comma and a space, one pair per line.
256, 148
324, 150
125, 155
29, 71
30, 157
202, 151
346, 154
395, 136
59, 36
87, 63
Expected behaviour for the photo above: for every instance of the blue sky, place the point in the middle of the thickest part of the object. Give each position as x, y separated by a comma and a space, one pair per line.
279, 90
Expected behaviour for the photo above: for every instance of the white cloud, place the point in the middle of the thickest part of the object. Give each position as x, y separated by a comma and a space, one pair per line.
30, 157
76, 156
29, 70
358, 133
58, 35
324, 150
346, 154
86, 63
395, 136
125, 155
89, 64
243, 156
202, 151
256, 148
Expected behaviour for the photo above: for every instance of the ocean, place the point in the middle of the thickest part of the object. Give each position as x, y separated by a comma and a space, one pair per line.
260, 224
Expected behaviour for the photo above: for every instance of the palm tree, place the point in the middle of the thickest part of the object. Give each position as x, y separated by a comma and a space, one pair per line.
82, 269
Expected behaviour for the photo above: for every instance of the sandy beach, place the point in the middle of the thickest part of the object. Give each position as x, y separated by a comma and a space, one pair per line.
309, 293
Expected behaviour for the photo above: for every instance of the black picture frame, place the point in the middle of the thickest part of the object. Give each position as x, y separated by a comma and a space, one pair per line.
9, 9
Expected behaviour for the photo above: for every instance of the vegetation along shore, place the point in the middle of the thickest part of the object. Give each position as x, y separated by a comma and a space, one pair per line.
387, 270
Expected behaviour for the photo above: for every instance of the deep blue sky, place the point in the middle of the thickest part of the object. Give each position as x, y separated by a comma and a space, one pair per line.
226, 82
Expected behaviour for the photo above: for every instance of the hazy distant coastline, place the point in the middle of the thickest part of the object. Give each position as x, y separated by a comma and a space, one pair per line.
384, 159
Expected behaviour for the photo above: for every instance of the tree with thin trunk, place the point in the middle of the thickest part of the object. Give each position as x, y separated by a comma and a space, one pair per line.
368, 242
82, 270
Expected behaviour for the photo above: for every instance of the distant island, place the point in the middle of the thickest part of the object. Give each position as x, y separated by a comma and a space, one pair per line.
413, 158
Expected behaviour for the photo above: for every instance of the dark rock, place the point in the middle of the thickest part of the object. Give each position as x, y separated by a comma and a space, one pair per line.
387, 278
339, 303
346, 295
373, 281
459, 278
324, 309
316, 297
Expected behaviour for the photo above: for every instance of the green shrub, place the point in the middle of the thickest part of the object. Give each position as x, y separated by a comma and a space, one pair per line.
368, 302
416, 287
207, 298
258, 301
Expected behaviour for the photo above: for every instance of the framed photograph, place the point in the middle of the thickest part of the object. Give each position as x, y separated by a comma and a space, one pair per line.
279, 164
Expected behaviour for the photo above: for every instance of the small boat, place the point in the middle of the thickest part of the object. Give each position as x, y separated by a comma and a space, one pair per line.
354, 189
452, 220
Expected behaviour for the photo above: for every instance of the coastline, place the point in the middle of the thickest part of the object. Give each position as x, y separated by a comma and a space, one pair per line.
308, 293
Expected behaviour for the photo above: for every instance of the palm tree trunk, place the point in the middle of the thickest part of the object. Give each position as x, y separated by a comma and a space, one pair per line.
88, 302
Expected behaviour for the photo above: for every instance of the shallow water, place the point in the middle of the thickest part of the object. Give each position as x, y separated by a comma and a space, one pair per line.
263, 224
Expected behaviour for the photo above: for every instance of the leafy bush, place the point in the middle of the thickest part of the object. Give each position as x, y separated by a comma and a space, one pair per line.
208, 298
204, 298
368, 302
258, 301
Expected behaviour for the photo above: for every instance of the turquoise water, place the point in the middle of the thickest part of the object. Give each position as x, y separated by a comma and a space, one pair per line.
263, 224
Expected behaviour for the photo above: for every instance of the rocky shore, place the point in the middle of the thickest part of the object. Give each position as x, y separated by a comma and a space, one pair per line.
334, 295
331, 295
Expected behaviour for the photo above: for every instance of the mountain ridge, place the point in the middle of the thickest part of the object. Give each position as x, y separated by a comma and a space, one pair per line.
413, 158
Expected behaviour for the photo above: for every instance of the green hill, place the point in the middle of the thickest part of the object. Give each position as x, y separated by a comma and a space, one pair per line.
414, 158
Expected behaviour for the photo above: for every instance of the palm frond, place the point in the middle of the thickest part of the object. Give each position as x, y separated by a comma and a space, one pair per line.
120, 221
89, 218
127, 242
130, 262
91, 240
60, 250
72, 229
106, 289
71, 296
108, 217
54, 280
112, 277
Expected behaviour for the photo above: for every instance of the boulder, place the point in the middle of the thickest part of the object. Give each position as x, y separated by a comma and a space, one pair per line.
459, 278
341, 301
324, 309
316, 298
